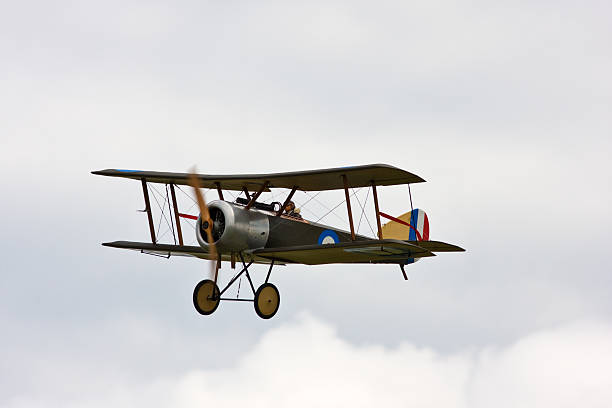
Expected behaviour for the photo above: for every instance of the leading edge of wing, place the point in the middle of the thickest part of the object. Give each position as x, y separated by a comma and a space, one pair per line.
308, 180
371, 251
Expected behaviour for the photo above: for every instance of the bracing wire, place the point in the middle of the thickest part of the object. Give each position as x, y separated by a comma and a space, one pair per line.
306, 209
162, 209
338, 205
192, 223
314, 197
232, 194
162, 235
190, 197
363, 212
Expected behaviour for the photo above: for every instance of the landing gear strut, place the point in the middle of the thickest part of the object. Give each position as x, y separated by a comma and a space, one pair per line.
207, 296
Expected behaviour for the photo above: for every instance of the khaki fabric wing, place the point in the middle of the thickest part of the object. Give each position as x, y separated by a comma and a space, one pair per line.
374, 251
308, 180
160, 249
175, 250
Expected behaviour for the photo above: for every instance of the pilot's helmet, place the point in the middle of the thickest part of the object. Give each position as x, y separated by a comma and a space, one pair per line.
290, 206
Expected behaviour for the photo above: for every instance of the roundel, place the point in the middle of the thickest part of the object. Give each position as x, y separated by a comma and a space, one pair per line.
328, 237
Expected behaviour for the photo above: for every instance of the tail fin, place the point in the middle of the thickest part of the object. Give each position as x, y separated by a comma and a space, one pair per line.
411, 226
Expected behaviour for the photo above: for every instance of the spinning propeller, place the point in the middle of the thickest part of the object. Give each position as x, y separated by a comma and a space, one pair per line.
207, 222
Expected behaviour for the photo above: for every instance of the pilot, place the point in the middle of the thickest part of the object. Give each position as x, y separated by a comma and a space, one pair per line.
291, 211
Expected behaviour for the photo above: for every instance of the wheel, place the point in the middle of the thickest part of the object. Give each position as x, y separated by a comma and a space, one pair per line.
203, 300
267, 301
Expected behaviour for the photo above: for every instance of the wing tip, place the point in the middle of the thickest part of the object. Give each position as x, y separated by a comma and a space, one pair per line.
114, 172
112, 244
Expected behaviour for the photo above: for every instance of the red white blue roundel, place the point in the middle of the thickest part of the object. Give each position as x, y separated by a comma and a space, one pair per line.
328, 237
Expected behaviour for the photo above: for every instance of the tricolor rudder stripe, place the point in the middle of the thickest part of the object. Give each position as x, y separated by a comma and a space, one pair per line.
422, 224
411, 226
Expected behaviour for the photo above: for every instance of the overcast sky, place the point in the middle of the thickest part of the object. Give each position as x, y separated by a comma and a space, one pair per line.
504, 108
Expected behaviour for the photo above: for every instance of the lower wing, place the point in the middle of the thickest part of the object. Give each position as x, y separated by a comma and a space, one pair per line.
375, 251
388, 251
168, 250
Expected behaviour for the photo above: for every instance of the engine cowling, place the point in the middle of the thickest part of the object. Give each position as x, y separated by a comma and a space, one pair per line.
234, 228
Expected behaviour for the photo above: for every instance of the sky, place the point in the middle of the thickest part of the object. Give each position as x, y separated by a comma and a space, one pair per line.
503, 108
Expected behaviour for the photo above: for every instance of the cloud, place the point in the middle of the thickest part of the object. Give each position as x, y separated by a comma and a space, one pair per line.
504, 110
305, 363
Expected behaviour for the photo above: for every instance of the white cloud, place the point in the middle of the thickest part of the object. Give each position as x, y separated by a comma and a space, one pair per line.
305, 363
503, 108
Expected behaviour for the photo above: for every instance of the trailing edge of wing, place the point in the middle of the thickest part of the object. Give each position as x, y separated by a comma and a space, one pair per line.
309, 180
168, 250
160, 249
374, 251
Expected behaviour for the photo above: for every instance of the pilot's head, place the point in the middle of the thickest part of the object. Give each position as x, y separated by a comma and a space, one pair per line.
290, 206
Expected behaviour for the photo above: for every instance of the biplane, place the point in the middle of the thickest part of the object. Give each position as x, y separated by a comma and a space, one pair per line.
250, 231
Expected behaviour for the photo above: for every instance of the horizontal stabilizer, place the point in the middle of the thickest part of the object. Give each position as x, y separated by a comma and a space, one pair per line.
437, 246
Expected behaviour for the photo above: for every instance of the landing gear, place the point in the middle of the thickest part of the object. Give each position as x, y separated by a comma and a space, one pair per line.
267, 301
206, 297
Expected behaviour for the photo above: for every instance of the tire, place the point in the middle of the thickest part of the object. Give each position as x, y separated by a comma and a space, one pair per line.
203, 299
267, 301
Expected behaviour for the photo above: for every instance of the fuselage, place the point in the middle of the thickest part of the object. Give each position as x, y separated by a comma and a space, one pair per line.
236, 229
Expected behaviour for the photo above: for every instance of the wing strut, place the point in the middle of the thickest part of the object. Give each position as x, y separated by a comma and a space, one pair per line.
377, 210
177, 220
246, 192
348, 206
257, 194
219, 190
145, 191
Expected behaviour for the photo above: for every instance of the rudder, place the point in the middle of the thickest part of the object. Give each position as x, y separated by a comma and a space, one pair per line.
411, 226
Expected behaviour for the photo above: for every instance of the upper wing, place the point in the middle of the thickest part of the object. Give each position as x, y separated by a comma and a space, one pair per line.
168, 250
374, 251
310, 180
